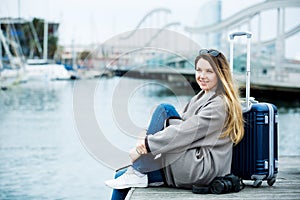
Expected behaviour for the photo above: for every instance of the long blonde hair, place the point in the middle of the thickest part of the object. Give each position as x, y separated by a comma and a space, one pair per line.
226, 86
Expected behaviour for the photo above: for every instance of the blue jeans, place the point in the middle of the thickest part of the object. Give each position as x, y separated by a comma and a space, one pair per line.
146, 163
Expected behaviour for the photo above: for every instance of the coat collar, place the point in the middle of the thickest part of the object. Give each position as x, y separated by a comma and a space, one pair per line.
203, 97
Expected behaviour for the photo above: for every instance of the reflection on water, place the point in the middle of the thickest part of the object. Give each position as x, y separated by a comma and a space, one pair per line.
41, 156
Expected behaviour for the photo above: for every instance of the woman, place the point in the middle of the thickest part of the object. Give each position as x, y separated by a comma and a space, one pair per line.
195, 146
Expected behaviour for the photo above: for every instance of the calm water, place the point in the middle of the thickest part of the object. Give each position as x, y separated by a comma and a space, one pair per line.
42, 156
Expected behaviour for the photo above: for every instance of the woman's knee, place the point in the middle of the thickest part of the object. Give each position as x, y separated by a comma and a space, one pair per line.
169, 109
166, 107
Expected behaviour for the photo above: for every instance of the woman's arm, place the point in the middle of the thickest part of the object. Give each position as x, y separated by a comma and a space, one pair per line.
177, 138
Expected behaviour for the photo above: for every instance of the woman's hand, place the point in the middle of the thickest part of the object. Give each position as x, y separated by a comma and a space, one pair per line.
134, 155
141, 147
139, 150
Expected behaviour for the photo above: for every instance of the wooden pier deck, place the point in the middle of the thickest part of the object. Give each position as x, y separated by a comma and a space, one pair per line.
287, 186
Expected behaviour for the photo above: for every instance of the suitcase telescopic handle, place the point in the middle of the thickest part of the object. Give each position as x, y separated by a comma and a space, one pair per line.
248, 35
232, 35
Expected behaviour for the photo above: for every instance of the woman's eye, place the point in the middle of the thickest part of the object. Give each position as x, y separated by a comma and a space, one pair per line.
204, 70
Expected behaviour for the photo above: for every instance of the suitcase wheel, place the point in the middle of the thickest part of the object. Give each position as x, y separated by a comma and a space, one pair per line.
257, 183
271, 181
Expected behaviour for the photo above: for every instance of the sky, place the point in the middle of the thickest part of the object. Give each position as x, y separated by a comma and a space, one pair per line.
95, 21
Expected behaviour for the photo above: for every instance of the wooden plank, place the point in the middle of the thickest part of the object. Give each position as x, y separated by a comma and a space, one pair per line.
287, 186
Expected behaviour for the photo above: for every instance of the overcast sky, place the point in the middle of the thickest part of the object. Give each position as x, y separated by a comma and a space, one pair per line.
88, 21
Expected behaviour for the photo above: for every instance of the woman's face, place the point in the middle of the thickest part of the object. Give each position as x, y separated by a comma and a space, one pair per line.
205, 75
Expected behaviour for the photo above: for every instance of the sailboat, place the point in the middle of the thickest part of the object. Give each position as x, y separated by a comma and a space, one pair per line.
42, 69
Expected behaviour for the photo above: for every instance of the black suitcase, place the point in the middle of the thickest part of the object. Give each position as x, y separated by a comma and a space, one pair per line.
256, 156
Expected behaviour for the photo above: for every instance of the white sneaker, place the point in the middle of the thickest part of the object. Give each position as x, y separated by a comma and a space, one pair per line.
131, 178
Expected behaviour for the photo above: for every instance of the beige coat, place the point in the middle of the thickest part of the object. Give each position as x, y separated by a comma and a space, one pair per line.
191, 149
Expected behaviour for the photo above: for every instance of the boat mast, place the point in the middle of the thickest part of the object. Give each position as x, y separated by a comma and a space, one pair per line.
45, 44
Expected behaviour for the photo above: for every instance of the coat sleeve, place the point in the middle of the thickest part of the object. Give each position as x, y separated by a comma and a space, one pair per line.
180, 137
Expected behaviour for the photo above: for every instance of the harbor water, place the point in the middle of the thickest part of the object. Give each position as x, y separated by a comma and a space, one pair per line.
42, 155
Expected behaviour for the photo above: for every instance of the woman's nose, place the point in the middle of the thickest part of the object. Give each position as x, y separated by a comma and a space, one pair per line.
202, 74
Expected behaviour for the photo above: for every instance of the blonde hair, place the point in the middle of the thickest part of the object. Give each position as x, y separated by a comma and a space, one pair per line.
226, 86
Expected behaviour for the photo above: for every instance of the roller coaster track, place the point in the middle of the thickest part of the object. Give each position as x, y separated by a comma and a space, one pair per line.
165, 10
160, 30
244, 15
264, 76
285, 35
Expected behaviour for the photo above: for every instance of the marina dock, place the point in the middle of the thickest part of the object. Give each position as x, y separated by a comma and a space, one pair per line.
287, 186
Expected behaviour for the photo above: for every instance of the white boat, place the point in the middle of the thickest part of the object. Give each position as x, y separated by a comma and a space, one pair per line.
40, 69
